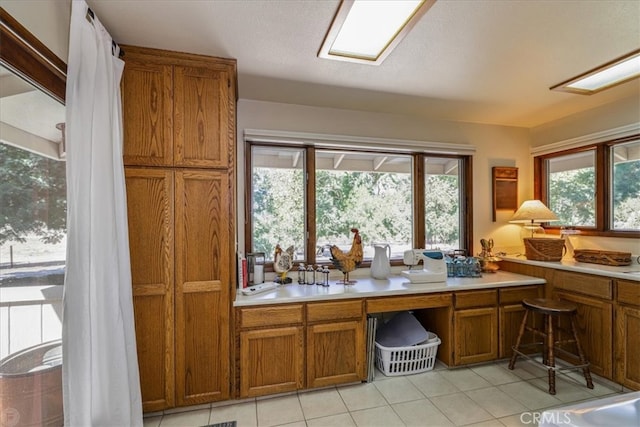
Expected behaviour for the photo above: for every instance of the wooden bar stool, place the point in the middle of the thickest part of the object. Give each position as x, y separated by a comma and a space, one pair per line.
551, 310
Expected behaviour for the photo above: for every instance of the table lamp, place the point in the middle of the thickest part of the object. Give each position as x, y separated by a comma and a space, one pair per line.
531, 214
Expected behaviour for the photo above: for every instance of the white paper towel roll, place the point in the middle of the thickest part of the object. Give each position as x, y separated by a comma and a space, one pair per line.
258, 274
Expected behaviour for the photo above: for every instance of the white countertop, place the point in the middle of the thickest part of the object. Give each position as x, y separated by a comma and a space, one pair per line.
628, 272
369, 287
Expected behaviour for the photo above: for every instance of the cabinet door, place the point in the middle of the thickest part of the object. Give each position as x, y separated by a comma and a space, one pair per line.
271, 361
147, 113
203, 284
336, 353
510, 317
627, 355
150, 211
203, 117
475, 335
594, 320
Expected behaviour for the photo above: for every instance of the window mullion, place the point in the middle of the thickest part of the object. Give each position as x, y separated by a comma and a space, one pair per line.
310, 201
418, 201
603, 189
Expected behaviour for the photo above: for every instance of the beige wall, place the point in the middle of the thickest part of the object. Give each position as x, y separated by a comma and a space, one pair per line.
614, 115
495, 146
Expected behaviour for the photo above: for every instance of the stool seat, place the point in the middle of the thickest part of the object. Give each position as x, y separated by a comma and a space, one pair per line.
549, 306
551, 312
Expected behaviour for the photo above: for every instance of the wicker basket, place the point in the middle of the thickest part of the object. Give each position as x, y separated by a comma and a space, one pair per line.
541, 249
602, 257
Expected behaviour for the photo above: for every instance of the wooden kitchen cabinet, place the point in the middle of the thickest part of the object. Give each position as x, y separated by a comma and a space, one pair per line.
336, 348
178, 109
271, 349
475, 327
627, 356
151, 235
179, 148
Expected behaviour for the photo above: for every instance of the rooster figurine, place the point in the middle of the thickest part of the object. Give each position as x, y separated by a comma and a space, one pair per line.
347, 262
282, 263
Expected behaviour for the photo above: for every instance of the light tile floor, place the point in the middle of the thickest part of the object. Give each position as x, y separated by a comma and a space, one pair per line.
482, 395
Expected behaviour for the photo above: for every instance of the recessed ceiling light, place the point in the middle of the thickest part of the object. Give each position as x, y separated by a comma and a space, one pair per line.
366, 31
611, 74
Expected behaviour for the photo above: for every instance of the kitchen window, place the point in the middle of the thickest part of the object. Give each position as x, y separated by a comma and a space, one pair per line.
310, 197
595, 189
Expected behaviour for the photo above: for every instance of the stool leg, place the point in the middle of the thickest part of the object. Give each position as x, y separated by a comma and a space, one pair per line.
545, 344
583, 360
551, 363
514, 356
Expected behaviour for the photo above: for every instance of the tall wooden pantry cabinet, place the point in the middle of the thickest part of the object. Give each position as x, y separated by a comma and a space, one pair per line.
179, 155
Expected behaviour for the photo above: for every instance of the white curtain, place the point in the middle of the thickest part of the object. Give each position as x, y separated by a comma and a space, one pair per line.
101, 385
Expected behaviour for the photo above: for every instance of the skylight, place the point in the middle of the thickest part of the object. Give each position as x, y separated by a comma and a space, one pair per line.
366, 31
608, 75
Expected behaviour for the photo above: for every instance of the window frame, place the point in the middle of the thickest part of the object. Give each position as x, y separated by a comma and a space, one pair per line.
603, 196
418, 193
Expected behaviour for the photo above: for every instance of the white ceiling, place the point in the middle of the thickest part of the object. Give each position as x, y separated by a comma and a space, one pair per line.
486, 61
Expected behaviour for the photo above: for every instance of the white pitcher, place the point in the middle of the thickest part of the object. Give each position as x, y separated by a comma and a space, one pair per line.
381, 266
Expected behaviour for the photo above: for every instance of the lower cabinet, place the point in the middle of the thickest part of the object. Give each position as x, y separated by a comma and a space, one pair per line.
271, 361
336, 348
627, 356
275, 356
271, 349
475, 326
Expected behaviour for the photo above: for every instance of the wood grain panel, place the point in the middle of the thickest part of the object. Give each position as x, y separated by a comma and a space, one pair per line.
594, 320
510, 318
151, 245
153, 316
271, 315
336, 353
386, 304
335, 310
271, 361
475, 298
201, 107
627, 367
203, 244
516, 295
203, 269
147, 111
629, 292
476, 335
202, 343
150, 216
596, 286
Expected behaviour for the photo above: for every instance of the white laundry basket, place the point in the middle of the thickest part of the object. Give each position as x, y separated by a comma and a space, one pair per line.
394, 361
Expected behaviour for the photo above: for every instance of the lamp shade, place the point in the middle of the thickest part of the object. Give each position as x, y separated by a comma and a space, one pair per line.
533, 211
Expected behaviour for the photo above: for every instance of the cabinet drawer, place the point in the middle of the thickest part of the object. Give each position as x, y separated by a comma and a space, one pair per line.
415, 302
334, 310
629, 292
475, 299
270, 316
516, 295
596, 286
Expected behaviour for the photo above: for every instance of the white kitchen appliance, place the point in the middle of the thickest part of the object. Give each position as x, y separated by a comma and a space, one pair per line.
434, 266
